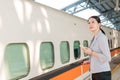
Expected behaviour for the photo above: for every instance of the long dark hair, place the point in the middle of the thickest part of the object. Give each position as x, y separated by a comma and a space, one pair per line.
98, 20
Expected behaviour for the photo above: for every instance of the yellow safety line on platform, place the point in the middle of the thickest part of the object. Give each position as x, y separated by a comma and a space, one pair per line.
115, 69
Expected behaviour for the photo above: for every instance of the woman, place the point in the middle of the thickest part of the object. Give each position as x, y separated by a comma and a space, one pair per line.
99, 51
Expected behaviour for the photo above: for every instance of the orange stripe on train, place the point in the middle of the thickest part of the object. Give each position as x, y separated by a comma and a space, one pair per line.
73, 73
115, 52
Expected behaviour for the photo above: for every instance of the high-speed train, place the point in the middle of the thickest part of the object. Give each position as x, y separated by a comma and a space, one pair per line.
41, 43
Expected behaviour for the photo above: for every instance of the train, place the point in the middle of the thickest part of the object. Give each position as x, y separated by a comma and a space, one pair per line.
38, 42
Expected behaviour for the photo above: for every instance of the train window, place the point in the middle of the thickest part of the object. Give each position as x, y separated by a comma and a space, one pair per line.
64, 52
109, 43
77, 49
46, 55
85, 44
110, 33
17, 60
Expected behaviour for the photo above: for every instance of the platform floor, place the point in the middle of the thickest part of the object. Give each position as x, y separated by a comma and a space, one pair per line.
116, 74
115, 66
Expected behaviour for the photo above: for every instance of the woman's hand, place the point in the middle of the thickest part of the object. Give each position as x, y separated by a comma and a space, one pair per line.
89, 52
86, 50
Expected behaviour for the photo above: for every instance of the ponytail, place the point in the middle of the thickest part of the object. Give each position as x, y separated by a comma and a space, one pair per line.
102, 31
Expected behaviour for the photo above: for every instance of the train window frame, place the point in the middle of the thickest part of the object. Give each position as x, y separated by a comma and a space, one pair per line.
77, 49
64, 48
23, 50
85, 44
44, 58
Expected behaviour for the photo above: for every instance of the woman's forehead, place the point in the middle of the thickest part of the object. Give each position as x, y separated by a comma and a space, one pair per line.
92, 19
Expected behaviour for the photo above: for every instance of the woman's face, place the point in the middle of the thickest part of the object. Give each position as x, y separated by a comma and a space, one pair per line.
93, 25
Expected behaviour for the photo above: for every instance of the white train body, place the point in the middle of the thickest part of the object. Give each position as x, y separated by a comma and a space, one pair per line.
24, 28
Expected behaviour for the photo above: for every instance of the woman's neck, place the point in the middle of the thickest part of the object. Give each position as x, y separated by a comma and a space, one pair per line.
96, 32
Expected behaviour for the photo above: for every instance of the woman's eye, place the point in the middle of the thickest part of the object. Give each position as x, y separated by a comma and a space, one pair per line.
92, 21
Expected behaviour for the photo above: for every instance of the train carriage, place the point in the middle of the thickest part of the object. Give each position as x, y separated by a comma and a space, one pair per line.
41, 43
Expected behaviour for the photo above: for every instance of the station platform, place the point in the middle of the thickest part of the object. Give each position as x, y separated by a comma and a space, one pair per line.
115, 67
116, 74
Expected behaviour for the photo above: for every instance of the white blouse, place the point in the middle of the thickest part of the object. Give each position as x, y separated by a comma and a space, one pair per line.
100, 46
